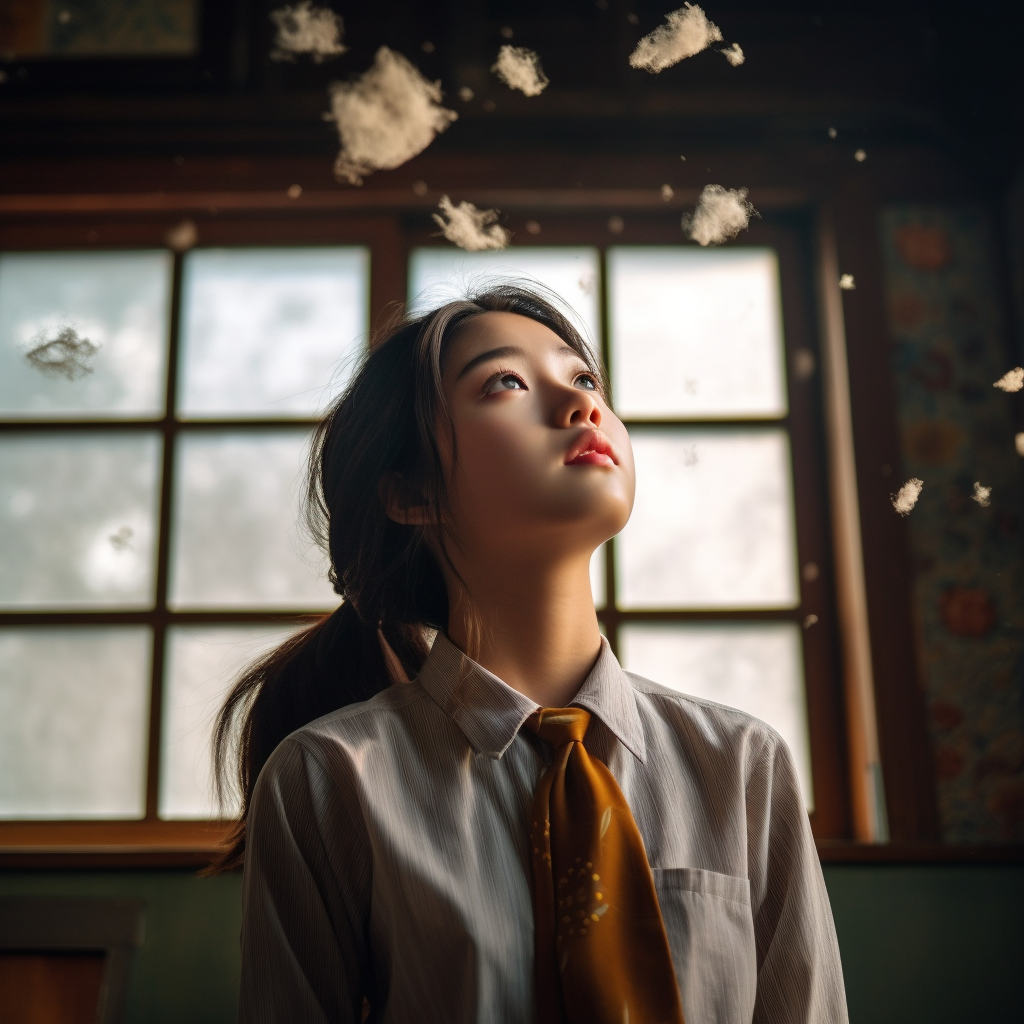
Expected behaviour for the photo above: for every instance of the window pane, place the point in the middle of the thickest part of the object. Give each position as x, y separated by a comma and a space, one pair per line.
202, 664
78, 519
74, 716
270, 332
695, 332
236, 539
439, 275
118, 301
756, 667
712, 526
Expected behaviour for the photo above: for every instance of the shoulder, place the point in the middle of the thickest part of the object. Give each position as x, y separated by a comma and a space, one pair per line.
351, 733
703, 722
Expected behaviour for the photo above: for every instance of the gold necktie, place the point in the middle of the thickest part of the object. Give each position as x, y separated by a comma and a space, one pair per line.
602, 955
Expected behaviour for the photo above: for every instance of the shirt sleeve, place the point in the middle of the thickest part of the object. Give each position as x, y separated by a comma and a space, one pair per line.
305, 905
799, 972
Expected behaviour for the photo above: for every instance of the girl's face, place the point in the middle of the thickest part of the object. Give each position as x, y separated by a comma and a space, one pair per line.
543, 465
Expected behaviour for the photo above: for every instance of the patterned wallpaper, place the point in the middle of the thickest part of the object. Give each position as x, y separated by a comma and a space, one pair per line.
949, 345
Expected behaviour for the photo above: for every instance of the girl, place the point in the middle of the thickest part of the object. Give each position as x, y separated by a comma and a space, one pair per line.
503, 825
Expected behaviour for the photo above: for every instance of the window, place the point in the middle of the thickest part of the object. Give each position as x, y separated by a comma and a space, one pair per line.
152, 452
156, 412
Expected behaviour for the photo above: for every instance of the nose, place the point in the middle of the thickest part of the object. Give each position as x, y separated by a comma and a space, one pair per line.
578, 409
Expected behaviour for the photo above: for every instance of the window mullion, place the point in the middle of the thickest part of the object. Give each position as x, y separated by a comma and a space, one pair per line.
159, 620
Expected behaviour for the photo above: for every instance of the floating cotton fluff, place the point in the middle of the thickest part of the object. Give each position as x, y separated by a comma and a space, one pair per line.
847, 283
519, 68
470, 228
385, 117
906, 498
688, 32
1012, 380
733, 54
720, 214
982, 495
306, 29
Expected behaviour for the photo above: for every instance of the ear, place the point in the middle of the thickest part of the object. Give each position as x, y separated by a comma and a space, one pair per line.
402, 502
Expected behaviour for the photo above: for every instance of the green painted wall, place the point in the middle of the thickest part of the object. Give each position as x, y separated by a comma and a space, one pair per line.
921, 945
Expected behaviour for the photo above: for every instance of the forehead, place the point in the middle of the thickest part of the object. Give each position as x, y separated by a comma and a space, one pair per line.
497, 330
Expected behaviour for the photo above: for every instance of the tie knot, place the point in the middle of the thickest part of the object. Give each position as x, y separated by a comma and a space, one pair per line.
560, 725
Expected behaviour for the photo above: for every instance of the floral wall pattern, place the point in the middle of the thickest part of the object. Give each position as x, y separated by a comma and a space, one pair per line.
949, 344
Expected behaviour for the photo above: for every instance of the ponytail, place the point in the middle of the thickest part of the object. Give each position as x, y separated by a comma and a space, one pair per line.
382, 430
334, 661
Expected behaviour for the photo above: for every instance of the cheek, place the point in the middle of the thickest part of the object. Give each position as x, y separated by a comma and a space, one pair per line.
494, 462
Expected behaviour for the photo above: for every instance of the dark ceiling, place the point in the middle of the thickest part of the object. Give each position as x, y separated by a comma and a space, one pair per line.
942, 72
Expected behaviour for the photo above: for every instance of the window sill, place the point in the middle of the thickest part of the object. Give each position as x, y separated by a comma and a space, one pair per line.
110, 844
190, 844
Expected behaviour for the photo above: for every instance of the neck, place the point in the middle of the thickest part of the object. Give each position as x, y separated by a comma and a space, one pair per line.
538, 628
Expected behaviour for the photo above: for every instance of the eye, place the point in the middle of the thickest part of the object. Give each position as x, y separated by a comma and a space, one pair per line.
504, 380
587, 381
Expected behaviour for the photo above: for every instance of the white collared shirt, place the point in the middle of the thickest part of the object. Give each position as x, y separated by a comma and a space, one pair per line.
387, 855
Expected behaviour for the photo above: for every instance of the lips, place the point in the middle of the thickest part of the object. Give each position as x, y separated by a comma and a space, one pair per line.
591, 449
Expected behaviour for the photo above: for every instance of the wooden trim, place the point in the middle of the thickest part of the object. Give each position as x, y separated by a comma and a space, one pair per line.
64, 858
831, 817
903, 740
112, 835
869, 819
366, 200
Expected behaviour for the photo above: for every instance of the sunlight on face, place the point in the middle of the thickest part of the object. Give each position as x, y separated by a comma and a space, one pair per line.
542, 464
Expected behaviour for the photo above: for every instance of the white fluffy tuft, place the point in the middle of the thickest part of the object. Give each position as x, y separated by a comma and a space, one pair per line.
385, 117
906, 498
470, 228
519, 68
688, 32
847, 283
307, 29
733, 54
720, 214
982, 495
1012, 380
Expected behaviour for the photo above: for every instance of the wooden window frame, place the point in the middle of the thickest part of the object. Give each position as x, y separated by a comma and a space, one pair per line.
390, 222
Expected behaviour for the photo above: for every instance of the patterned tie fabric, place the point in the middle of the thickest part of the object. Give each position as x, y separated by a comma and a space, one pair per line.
602, 955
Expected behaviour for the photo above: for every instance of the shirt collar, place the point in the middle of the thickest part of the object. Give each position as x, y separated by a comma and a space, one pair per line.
490, 712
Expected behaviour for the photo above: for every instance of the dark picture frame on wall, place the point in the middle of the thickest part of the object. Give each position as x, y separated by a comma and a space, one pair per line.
99, 44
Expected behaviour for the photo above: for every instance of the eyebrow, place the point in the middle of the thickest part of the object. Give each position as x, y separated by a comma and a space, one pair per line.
510, 350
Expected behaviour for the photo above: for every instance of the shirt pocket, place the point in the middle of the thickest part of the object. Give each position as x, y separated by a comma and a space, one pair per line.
711, 935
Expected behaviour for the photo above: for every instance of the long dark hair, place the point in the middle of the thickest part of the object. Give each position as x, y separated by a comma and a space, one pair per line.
383, 428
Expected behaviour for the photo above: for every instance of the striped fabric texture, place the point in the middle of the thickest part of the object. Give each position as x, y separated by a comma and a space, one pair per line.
388, 855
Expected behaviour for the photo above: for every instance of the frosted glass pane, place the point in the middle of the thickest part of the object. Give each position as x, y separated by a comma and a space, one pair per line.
270, 332
757, 668
439, 275
74, 718
202, 665
696, 332
236, 540
712, 525
78, 519
118, 301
